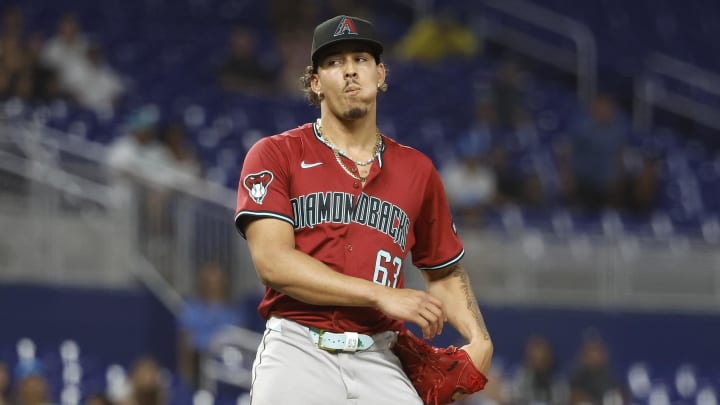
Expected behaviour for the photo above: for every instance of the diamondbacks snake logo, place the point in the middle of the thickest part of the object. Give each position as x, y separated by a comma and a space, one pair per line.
257, 185
346, 26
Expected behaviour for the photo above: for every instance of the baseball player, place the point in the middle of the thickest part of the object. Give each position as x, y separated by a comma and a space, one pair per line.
330, 211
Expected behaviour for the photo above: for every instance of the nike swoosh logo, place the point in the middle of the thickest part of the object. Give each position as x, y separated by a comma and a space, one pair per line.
309, 165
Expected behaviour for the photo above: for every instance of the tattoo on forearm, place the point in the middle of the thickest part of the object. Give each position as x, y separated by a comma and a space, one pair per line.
459, 273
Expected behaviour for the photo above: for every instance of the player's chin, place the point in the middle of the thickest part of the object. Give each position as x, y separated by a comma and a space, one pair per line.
356, 112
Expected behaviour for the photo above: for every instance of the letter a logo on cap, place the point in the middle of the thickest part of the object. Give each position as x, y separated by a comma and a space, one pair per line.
346, 26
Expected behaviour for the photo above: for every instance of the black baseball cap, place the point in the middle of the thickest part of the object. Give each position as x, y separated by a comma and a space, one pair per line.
344, 28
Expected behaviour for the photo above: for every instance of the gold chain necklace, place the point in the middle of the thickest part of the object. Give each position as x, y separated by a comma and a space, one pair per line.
327, 141
337, 152
353, 175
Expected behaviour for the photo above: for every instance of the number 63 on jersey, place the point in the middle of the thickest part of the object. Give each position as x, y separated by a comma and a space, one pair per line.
387, 269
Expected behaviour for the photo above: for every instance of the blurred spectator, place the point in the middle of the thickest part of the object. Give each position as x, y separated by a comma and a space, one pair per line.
6, 83
12, 23
508, 94
142, 166
515, 185
202, 317
13, 55
485, 176
98, 399
4, 384
22, 73
641, 184
292, 25
437, 36
184, 159
524, 129
28, 365
484, 127
91, 81
67, 46
139, 155
590, 163
160, 161
470, 183
151, 170
537, 381
147, 386
32, 389
22, 85
244, 69
45, 83
593, 379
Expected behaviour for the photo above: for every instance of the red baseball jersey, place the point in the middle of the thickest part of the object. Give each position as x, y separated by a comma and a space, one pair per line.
363, 232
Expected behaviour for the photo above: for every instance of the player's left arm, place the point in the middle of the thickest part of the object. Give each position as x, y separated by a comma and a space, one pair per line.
452, 286
437, 252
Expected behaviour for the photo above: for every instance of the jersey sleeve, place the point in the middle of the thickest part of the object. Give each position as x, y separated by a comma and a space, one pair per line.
263, 190
437, 243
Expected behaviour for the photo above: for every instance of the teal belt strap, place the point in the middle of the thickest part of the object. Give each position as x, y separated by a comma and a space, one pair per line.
340, 342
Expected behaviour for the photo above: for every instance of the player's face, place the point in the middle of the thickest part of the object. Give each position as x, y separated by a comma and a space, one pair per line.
348, 79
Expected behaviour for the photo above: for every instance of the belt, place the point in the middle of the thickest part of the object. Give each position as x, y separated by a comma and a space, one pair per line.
341, 342
348, 342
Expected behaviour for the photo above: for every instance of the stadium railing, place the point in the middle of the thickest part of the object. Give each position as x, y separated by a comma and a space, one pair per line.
60, 192
613, 263
687, 96
581, 62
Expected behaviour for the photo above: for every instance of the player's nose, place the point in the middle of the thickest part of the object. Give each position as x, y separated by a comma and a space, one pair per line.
350, 70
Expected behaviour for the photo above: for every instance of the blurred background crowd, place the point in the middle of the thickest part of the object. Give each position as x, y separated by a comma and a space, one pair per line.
577, 141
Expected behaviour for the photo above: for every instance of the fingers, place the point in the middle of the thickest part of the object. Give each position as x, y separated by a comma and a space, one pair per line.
417, 307
426, 325
429, 327
432, 317
435, 317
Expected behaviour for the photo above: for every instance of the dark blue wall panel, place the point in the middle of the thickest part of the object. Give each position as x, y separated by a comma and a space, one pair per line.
113, 326
117, 326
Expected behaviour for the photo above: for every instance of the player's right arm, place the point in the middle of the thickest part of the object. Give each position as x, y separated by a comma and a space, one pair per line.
285, 269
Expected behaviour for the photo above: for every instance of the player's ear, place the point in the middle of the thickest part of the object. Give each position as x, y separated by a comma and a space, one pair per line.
315, 83
381, 72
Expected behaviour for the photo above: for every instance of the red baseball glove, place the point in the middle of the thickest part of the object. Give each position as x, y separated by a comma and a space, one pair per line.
437, 373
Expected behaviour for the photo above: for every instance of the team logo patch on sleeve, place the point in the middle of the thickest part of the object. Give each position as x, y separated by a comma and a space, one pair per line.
257, 185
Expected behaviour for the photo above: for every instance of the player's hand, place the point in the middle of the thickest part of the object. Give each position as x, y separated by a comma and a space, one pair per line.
414, 306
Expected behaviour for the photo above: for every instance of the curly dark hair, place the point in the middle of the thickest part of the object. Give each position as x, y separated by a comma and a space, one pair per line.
314, 98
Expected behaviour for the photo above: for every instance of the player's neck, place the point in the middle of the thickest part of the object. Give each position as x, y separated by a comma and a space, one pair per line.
351, 135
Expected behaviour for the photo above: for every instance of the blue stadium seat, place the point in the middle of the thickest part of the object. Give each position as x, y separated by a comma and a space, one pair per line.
169, 55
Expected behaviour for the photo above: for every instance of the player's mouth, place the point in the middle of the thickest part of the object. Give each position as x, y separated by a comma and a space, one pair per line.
352, 90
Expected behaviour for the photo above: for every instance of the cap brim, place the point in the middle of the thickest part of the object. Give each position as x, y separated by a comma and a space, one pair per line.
376, 47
